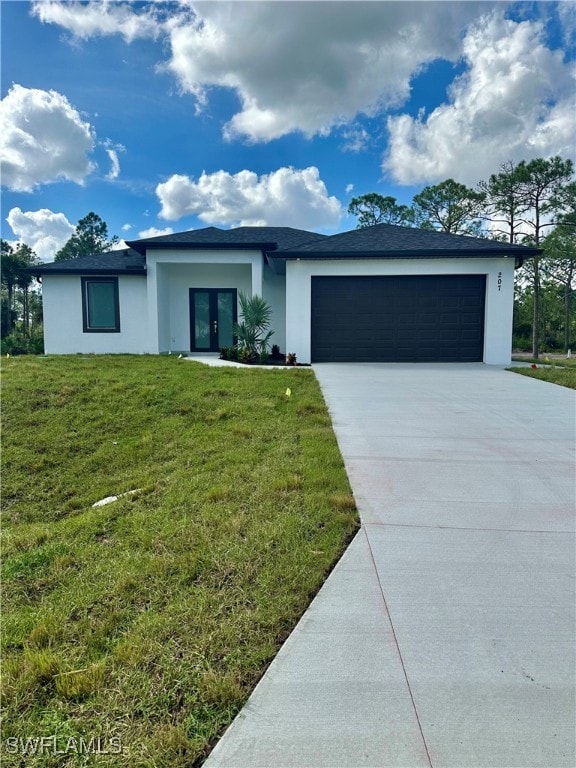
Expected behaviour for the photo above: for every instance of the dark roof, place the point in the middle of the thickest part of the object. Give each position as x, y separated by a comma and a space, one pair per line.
391, 241
110, 263
263, 238
283, 243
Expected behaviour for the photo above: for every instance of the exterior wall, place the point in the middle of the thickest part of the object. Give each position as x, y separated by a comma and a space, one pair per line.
499, 295
274, 292
163, 311
63, 329
155, 315
172, 272
181, 277
499, 313
155, 309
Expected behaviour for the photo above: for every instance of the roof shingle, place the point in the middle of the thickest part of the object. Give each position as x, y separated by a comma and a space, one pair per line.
267, 238
390, 239
111, 263
282, 243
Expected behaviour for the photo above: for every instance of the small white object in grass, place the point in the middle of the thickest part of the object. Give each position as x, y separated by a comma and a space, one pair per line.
107, 500
288, 392
179, 357
110, 499
569, 353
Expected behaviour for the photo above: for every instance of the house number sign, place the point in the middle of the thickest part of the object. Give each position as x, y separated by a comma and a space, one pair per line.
499, 281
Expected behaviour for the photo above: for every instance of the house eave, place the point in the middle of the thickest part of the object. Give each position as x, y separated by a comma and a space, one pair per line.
141, 247
404, 254
278, 260
39, 272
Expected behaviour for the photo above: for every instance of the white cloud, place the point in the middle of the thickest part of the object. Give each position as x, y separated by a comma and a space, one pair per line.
567, 16
85, 20
114, 171
154, 232
295, 66
126, 227
310, 66
515, 101
286, 197
356, 138
349, 188
44, 231
42, 139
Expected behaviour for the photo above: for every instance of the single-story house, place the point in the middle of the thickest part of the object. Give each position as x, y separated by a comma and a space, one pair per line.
383, 293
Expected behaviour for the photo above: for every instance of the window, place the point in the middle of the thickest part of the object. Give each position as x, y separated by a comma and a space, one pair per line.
100, 305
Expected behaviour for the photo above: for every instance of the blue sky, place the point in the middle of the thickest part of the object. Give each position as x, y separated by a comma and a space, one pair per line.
171, 116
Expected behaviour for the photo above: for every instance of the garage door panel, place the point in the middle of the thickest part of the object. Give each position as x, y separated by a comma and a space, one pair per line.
404, 319
467, 320
469, 336
449, 321
449, 302
472, 301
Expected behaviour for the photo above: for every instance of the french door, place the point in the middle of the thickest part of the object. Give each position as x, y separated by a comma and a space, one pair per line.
213, 312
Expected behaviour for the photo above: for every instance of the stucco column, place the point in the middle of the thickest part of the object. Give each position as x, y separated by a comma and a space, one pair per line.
151, 284
257, 275
499, 312
298, 309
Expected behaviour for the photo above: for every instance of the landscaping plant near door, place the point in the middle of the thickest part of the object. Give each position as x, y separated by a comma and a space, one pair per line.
253, 332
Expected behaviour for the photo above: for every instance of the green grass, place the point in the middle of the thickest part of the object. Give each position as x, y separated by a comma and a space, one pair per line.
149, 620
562, 372
561, 362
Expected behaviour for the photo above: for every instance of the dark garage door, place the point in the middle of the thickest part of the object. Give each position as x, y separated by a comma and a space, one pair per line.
432, 318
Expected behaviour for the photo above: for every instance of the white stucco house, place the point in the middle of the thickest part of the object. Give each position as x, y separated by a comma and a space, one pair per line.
384, 293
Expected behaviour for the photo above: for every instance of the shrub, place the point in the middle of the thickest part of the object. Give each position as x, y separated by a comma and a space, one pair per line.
521, 343
228, 353
246, 355
253, 332
21, 342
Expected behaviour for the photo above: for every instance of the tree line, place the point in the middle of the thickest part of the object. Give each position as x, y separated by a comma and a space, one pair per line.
529, 203
20, 304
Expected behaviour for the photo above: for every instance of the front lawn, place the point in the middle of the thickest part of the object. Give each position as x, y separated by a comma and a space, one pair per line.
544, 359
557, 371
145, 623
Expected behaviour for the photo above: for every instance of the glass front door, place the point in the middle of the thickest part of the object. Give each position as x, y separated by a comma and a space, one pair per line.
212, 318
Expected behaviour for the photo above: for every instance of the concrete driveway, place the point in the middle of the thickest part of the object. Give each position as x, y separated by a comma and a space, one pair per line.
446, 634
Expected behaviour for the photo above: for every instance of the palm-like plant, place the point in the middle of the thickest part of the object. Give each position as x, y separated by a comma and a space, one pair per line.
252, 332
